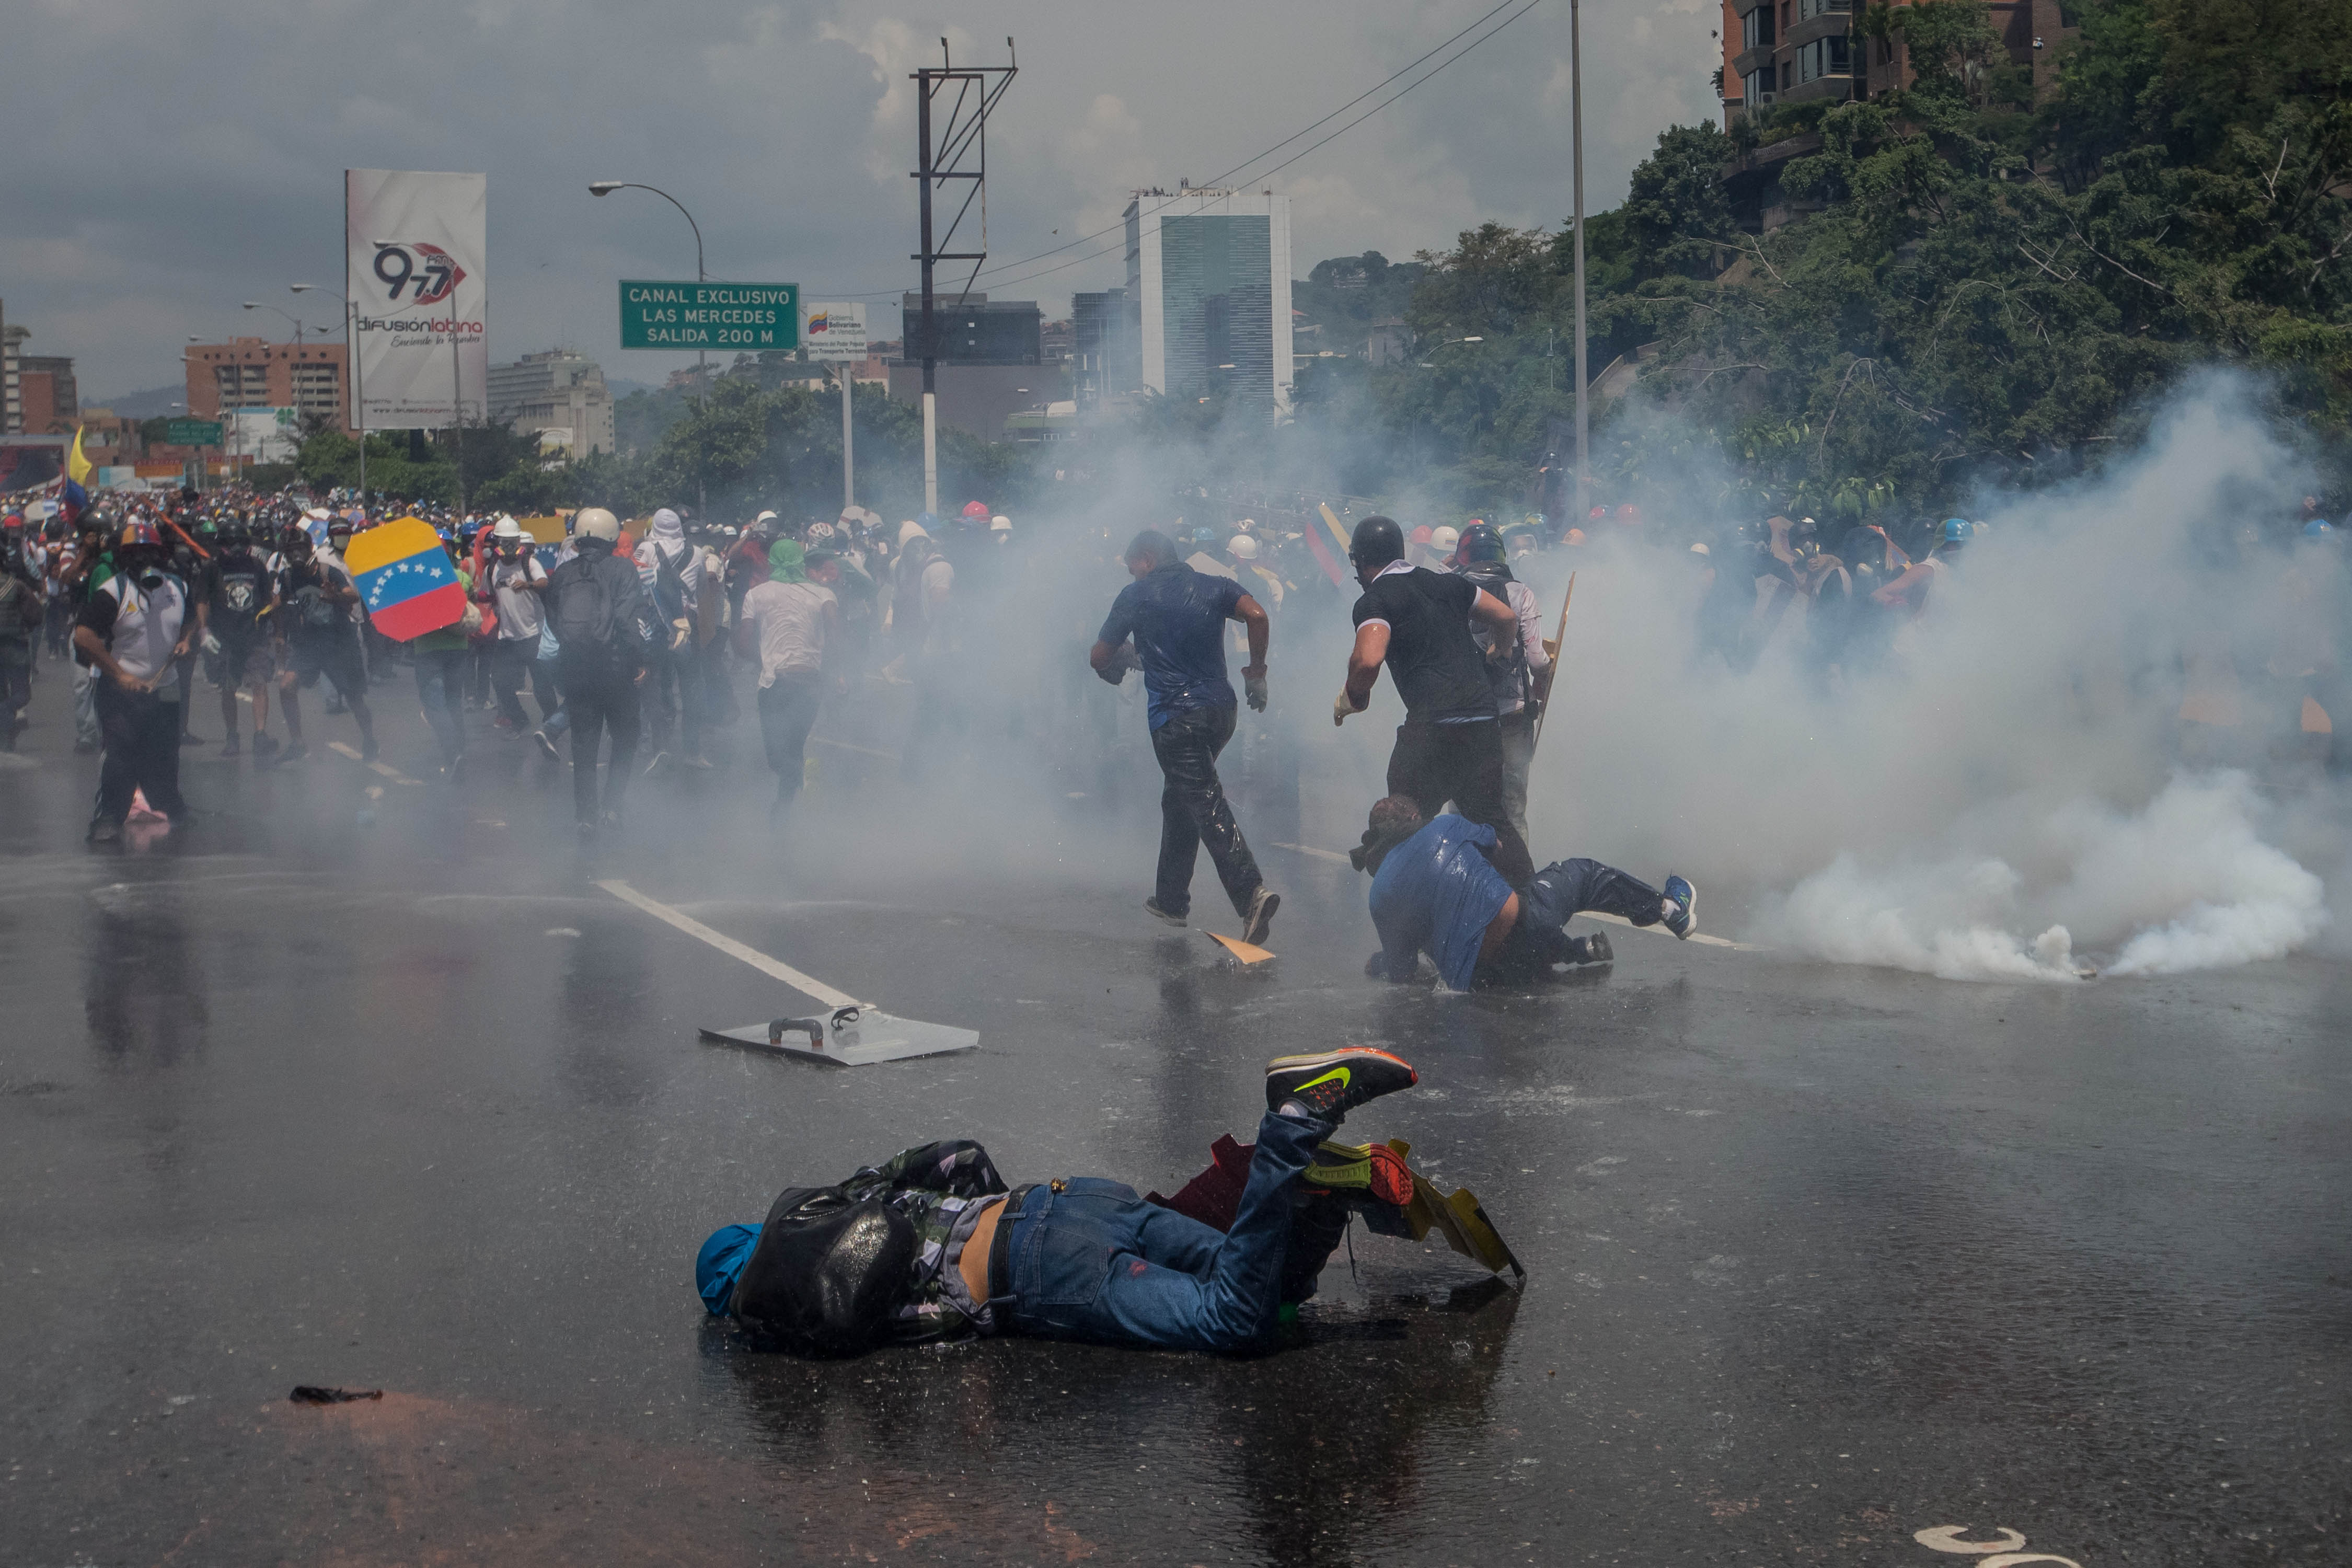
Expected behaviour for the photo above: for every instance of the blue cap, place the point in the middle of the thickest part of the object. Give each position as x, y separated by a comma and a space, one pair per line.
2317, 527
720, 1260
1956, 529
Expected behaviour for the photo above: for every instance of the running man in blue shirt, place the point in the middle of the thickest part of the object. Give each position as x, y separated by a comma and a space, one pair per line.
1176, 618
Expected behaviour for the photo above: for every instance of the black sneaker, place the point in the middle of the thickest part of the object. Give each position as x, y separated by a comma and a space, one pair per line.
103, 833
231, 747
1151, 907
1593, 949
368, 751
1329, 1084
546, 744
1263, 903
1684, 900
264, 744
661, 761
294, 753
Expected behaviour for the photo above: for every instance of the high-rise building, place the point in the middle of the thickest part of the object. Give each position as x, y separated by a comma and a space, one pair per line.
1779, 52
1210, 273
1105, 354
12, 410
254, 373
48, 400
558, 390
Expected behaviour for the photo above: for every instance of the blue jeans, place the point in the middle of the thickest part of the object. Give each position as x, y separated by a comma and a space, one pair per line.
1096, 1262
441, 689
547, 675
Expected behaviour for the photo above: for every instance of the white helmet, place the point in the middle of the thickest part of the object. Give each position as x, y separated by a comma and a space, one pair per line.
1241, 547
595, 522
507, 528
1442, 541
1000, 525
763, 516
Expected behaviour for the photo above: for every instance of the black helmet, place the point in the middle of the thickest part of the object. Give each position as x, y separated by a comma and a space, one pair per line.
1479, 542
1376, 541
297, 540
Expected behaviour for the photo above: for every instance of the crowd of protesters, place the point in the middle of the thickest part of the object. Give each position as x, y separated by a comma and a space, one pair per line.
650, 635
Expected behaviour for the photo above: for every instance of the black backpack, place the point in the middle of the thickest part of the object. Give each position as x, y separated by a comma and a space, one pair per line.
827, 1273
584, 605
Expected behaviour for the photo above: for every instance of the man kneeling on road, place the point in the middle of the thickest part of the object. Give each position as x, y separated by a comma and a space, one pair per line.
1435, 889
931, 1244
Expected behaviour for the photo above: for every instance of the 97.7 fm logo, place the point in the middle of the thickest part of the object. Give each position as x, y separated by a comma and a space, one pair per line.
434, 271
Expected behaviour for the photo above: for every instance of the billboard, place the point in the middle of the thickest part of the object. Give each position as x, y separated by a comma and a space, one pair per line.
834, 333
416, 268
262, 435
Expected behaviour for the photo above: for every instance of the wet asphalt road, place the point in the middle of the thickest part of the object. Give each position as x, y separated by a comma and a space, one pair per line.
1819, 1257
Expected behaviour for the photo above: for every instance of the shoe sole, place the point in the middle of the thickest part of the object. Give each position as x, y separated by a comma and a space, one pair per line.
1164, 918
547, 746
1262, 920
1311, 1066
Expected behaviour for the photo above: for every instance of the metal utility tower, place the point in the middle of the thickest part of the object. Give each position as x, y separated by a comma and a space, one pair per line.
953, 147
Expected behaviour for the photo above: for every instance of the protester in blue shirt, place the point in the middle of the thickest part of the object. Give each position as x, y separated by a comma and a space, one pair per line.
1176, 618
1436, 890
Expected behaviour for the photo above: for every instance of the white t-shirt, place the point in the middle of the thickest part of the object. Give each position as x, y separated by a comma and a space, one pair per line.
146, 627
520, 611
789, 618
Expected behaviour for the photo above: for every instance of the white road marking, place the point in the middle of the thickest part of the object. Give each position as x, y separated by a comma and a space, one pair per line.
1947, 1538
1319, 854
386, 769
730, 947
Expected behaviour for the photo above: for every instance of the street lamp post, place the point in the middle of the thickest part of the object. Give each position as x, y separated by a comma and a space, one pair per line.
257, 305
701, 359
200, 451
351, 359
1576, 138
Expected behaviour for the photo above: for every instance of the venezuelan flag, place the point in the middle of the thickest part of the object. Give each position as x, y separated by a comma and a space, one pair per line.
404, 579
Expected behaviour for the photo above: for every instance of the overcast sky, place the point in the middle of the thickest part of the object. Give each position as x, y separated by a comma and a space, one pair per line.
165, 163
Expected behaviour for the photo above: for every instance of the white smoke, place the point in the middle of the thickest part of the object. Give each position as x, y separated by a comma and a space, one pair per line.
2009, 795
2186, 881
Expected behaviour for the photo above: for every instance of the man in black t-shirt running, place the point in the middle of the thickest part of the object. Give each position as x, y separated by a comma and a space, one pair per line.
1450, 745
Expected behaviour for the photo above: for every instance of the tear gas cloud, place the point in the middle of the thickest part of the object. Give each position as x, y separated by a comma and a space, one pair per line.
2003, 795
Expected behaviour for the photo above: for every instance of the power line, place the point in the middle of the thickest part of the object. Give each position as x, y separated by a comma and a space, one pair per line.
1237, 168
1106, 250
1306, 130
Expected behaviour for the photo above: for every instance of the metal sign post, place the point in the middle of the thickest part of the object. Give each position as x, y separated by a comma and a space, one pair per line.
835, 334
963, 134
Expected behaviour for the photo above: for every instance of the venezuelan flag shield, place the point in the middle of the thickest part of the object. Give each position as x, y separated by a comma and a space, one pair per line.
404, 579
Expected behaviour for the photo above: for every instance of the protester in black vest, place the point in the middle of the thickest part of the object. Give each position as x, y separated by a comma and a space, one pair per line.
1450, 745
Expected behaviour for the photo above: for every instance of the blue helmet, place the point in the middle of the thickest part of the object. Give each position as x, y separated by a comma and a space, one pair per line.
1956, 530
2317, 527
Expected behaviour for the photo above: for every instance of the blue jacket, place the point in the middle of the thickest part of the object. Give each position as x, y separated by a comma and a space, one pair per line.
1436, 893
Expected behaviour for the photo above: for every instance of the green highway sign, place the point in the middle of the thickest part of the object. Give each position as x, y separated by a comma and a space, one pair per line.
748, 317
193, 433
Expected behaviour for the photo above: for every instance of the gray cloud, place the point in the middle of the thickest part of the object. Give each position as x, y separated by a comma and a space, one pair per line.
166, 163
